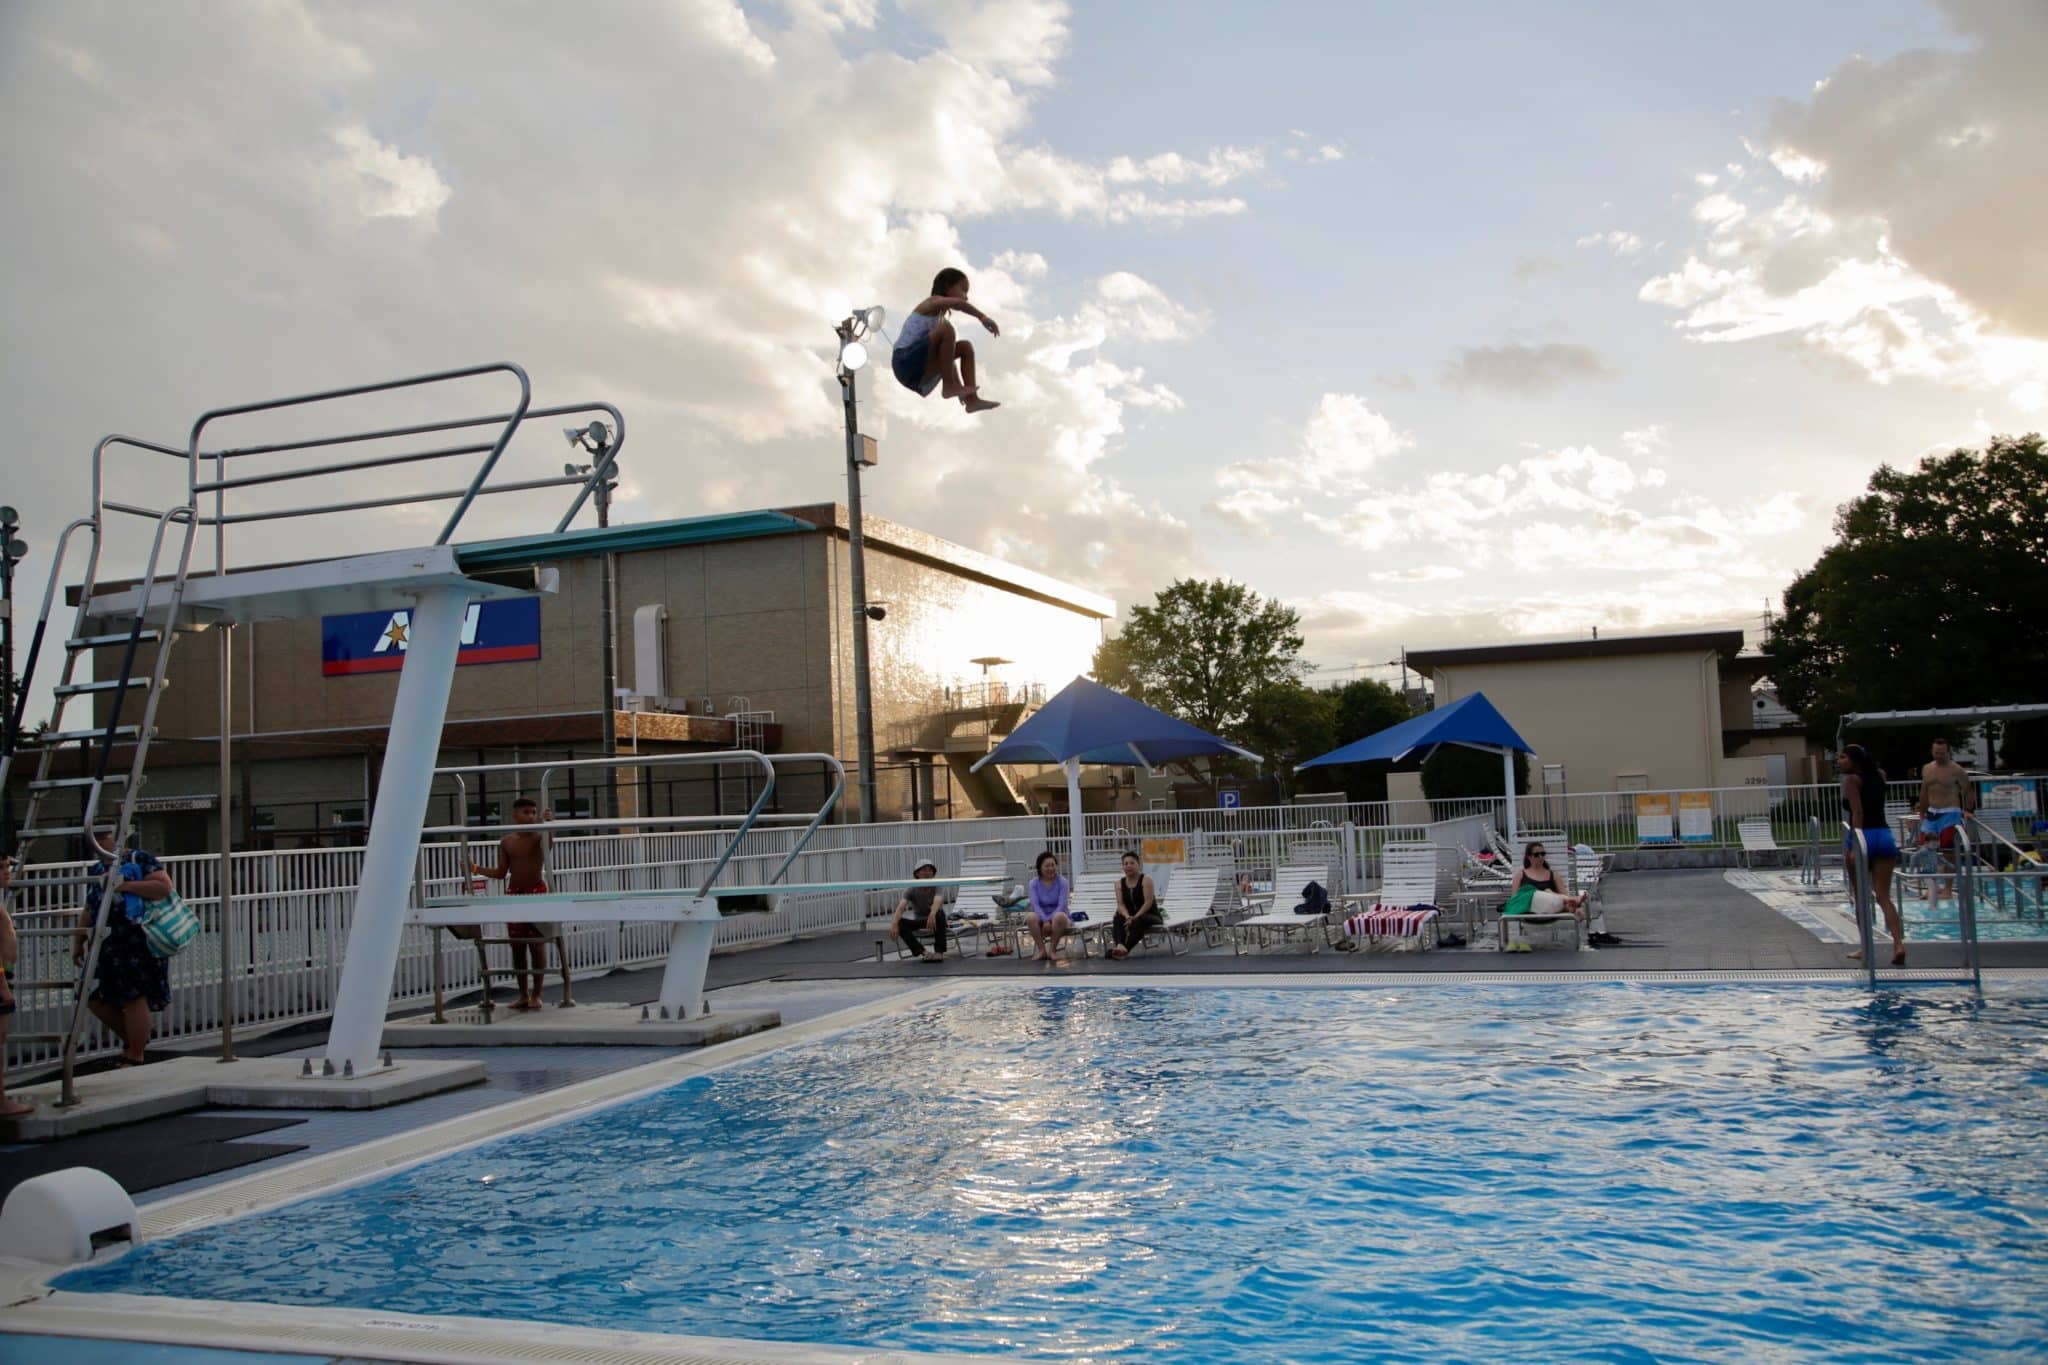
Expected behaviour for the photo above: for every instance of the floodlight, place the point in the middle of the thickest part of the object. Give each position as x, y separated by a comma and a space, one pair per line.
852, 356
574, 435
872, 318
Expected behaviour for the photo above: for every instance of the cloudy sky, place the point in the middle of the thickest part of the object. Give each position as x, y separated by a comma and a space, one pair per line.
1446, 324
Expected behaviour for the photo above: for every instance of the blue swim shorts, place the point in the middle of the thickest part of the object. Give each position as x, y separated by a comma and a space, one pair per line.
909, 361
1939, 820
1880, 844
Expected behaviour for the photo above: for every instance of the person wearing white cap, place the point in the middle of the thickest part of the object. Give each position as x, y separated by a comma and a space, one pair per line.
926, 906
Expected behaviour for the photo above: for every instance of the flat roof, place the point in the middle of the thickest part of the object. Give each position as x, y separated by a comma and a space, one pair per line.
1726, 643
517, 551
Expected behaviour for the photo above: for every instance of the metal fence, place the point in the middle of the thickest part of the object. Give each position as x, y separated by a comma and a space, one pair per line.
292, 909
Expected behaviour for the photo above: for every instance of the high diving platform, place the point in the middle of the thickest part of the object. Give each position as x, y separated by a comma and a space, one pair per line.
231, 484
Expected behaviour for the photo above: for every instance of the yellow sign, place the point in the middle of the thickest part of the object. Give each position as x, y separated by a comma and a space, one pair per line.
1171, 850
1653, 818
1696, 816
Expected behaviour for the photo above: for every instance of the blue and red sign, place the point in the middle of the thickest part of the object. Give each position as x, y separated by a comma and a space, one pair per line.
500, 632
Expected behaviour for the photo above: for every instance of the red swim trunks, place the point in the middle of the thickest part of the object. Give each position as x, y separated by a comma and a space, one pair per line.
525, 930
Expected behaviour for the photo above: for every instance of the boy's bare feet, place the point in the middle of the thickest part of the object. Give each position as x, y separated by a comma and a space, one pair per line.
976, 403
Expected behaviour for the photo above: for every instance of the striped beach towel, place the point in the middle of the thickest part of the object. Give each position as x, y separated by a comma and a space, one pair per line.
1391, 921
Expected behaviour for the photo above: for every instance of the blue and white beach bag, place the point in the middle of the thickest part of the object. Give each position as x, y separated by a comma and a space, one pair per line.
168, 925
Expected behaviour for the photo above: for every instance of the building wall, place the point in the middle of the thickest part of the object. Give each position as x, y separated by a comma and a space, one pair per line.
1658, 715
938, 622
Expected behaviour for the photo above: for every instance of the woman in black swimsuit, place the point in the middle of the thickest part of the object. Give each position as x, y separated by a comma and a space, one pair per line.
1137, 907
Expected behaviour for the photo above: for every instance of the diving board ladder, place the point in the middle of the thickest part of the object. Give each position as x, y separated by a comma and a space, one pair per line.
92, 772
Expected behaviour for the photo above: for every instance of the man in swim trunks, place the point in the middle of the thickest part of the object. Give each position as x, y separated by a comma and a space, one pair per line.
1944, 797
522, 862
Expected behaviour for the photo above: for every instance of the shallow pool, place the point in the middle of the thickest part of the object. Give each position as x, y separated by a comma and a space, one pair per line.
1610, 1171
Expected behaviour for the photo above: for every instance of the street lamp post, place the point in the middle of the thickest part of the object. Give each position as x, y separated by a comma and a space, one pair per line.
597, 440
852, 355
11, 550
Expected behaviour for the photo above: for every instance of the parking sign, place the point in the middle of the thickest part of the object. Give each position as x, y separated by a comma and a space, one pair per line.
1228, 799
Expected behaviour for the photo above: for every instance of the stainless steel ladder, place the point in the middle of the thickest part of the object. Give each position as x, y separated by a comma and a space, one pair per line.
94, 744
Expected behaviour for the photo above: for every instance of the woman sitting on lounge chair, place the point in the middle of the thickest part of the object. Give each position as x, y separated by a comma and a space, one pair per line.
1050, 921
1535, 890
1137, 907
926, 906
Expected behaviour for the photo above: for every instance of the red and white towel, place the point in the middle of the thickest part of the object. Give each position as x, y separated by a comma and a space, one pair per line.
1391, 921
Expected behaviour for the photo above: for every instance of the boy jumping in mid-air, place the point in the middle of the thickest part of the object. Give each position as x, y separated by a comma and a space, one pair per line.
522, 861
928, 355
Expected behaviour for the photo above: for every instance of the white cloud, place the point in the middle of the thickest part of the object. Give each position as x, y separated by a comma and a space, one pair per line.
1897, 229
385, 182
617, 230
1340, 443
1520, 367
1644, 440
1619, 242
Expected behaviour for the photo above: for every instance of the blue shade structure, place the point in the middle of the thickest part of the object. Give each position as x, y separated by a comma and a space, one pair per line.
1089, 723
1471, 722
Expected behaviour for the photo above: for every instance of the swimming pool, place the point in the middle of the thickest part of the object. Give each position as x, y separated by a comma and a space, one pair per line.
1613, 1170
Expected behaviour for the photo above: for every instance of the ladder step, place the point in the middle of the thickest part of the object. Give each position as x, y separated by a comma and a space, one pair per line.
66, 736
14, 1037
61, 879
53, 783
119, 638
111, 684
66, 984
48, 832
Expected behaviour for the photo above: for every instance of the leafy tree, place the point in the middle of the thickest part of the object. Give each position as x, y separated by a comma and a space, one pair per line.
1363, 707
1932, 595
1202, 650
1287, 723
1452, 772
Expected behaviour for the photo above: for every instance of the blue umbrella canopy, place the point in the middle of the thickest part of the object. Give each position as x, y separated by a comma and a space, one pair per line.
1471, 721
1090, 723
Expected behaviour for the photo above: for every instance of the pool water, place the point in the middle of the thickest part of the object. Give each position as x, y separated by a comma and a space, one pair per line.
1600, 1171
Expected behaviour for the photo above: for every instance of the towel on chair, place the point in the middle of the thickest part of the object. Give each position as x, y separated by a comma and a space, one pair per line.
1391, 921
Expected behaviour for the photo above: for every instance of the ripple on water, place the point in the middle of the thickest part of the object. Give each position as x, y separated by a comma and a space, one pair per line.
1599, 1171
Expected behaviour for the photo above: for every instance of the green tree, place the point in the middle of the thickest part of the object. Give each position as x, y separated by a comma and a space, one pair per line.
1363, 707
1288, 722
1932, 595
1202, 650
1452, 772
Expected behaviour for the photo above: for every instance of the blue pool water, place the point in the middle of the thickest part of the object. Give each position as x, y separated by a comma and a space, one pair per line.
1598, 1171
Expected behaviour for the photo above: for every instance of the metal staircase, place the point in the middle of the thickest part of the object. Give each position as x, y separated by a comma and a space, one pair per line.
94, 773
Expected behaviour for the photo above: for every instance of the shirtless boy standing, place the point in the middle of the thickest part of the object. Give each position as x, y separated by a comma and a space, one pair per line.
522, 862
1944, 797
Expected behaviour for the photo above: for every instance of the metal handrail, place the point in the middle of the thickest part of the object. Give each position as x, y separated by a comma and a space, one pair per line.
612, 822
1966, 902
125, 820
220, 457
1856, 854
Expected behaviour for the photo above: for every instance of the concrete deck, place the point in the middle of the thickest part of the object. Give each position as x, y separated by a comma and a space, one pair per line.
107, 1099
599, 1024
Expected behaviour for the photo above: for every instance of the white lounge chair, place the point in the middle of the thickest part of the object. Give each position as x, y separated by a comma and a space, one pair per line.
1382, 916
1756, 836
1187, 905
1278, 916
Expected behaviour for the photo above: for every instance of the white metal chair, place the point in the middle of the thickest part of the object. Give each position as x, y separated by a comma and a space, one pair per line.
1278, 916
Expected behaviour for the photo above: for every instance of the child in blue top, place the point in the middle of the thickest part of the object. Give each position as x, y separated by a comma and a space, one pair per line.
1050, 921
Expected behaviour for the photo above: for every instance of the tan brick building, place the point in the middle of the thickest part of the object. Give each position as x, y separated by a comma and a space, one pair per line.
729, 628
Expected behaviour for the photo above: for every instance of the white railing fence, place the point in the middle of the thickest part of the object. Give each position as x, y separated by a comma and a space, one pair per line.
292, 909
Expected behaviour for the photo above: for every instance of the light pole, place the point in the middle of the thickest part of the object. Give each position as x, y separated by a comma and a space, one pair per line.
597, 440
11, 549
852, 355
